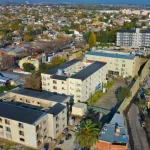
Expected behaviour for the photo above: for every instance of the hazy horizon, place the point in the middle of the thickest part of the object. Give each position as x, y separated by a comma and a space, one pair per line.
84, 1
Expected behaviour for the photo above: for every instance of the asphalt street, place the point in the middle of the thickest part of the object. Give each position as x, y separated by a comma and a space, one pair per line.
138, 134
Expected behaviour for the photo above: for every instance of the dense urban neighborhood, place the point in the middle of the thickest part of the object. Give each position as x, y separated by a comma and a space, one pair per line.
74, 77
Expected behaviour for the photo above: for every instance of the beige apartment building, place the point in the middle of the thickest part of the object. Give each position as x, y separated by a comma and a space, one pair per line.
34, 61
32, 118
117, 63
78, 78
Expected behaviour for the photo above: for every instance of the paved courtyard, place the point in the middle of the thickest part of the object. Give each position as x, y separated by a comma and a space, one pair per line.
109, 100
69, 144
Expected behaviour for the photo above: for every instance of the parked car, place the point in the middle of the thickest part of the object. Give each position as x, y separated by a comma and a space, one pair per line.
143, 124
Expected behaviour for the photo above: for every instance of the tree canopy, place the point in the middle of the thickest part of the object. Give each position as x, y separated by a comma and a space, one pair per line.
88, 133
123, 93
28, 67
92, 39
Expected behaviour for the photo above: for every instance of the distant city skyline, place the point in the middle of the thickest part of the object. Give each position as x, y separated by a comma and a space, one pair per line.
84, 1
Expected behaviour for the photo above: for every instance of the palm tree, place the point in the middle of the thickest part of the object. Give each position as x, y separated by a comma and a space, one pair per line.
87, 133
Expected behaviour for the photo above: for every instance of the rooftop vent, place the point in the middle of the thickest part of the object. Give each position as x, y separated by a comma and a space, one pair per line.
117, 131
105, 128
124, 136
103, 132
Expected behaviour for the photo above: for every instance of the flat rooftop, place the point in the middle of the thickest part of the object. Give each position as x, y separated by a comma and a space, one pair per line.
79, 105
109, 135
88, 71
41, 95
134, 31
83, 70
14, 112
108, 132
111, 55
63, 66
117, 119
56, 109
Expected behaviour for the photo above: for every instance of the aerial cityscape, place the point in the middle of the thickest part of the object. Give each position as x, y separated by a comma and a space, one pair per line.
74, 75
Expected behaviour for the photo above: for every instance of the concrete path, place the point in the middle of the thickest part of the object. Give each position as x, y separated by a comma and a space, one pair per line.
109, 100
138, 134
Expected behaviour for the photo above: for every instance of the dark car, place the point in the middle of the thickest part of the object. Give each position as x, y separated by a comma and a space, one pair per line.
118, 90
68, 136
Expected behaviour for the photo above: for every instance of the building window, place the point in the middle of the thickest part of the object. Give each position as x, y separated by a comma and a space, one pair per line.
27, 101
7, 122
44, 122
63, 112
123, 65
55, 82
57, 118
21, 99
21, 133
8, 129
64, 118
20, 125
1, 120
63, 125
63, 88
54, 87
22, 140
1, 127
57, 125
57, 131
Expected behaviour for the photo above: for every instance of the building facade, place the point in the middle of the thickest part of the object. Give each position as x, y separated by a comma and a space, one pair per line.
133, 38
77, 78
33, 117
118, 64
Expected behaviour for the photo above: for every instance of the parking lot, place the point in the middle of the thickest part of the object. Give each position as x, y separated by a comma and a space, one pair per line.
109, 100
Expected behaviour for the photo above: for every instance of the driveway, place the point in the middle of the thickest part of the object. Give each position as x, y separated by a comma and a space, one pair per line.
139, 137
109, 100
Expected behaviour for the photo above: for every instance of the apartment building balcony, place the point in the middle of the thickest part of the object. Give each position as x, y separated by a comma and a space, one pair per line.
1, 128
39, 136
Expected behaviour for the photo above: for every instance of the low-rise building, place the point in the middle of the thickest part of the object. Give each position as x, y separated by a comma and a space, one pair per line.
79, 78
117, 63
35, 61
113, 136
32, 117
79, 109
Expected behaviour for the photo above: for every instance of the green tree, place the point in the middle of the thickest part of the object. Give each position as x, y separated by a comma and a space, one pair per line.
143, 24
92, 39
28, 67
142, 102
87, 133
123, 93
27, 38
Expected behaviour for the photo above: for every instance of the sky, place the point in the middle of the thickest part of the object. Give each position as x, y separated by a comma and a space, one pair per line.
87, 1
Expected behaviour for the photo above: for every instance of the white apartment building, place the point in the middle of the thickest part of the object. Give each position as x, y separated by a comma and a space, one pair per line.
32, 118
77, 78
119, 64
133, 38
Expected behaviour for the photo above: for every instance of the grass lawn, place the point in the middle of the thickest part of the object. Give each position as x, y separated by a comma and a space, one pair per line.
95, 97
8, 144
109, 84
